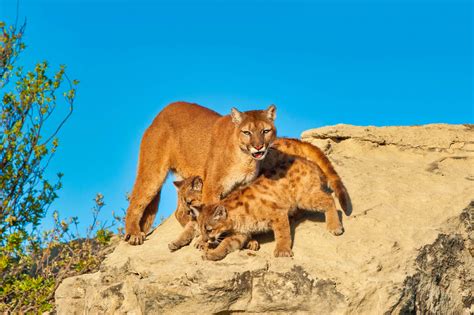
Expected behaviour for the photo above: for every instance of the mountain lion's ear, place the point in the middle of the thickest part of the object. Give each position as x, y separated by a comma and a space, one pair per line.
178, 183
236, 116
271, 112
197, 183
220, 213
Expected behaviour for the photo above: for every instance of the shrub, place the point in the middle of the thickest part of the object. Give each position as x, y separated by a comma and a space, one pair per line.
29, 284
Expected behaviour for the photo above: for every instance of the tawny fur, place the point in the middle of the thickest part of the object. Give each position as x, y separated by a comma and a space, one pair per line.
315, 155
189, 139
189, 203
189, 198
290, 183
189, 194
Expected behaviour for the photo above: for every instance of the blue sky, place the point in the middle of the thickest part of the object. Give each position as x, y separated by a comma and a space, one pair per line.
321, 62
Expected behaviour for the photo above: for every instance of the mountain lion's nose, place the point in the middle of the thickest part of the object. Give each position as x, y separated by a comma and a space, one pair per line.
258, 147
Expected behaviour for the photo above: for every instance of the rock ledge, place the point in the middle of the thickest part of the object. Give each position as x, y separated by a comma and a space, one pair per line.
407, 246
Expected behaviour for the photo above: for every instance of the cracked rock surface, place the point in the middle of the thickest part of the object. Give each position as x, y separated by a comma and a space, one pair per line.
407, 247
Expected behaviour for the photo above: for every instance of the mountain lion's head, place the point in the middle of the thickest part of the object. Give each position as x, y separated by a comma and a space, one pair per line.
214, 223
189, 195
256, 130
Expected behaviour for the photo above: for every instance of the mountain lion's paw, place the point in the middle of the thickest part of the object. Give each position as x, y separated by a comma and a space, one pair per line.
253, 245
283, 252
337, 230
212, 255
135, 239
173, 246
200, 244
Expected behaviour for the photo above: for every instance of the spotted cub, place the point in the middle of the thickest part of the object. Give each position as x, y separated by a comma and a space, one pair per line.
290, 183
189, 198
189, 204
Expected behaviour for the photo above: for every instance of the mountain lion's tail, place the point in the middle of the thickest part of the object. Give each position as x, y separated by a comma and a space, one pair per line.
315, 155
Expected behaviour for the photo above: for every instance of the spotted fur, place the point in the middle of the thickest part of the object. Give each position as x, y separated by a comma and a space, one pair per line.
189, 205
286, 184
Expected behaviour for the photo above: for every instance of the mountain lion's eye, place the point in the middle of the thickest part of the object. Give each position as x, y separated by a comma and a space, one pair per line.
247, 133
266, 130
208, 229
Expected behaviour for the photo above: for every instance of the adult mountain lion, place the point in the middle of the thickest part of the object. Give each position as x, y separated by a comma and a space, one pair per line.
188, 140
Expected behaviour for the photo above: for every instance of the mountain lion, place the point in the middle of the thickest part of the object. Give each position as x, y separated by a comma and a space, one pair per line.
189, 139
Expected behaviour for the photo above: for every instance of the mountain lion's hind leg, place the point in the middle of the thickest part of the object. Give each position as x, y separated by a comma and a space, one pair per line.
152, 170
149, 214
324, 201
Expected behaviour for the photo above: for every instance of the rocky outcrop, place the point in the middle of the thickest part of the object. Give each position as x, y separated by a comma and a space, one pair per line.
443, 282
407, 247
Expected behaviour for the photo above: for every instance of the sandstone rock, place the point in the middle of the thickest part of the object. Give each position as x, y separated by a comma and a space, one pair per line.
444, 281
408, 187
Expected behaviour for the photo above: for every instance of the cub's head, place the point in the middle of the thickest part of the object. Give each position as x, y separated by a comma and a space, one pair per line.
214, 223
256, 130
189, 195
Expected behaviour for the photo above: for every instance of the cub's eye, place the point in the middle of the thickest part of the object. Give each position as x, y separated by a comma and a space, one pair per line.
208, 229
246, 132
266, 131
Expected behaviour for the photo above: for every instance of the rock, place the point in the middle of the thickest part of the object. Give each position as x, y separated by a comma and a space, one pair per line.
407, 247
444, 280
434, 137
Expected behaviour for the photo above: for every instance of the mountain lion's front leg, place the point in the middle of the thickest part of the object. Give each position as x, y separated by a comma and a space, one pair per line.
281, 229
189, 232
152, 169
227, 246
212, 191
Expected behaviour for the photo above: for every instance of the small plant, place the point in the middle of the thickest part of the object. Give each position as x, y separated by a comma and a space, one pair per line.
60, 252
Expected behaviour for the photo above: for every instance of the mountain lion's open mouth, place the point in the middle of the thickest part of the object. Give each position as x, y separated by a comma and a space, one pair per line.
258, 155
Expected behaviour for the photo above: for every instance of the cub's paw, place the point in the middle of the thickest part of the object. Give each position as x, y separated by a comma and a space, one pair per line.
200, 244
135, 239
173, 246
336, 230
253, 245
284, 252
212, 255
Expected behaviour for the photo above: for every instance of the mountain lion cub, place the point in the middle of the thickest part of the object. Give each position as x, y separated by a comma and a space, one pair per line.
189, 202
290, 183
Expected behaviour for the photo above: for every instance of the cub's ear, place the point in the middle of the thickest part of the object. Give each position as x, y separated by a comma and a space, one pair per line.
236, 116
271, 112
197, 183
220, 213
178, 183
